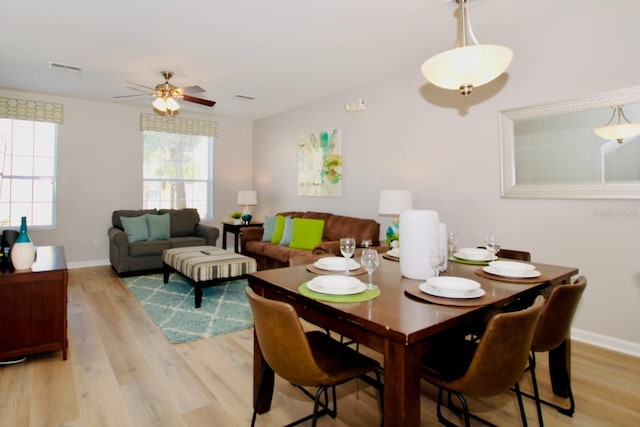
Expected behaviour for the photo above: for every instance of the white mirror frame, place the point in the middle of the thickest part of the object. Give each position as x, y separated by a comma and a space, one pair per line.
510, 189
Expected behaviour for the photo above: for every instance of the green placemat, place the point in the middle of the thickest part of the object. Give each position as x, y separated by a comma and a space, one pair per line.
468, 261
362, 296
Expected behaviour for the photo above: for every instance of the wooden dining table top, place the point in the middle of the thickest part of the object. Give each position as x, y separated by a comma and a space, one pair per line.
398, 315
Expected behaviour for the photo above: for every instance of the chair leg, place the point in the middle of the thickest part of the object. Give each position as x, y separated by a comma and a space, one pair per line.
536, 391
536, 396
521, 406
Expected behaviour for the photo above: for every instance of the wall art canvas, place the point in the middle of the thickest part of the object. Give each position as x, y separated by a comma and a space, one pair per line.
320, 164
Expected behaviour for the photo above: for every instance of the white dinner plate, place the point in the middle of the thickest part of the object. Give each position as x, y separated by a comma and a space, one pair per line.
460, 255
395, 252
526, 275
336, 264
336, 285
448, 293
451, 284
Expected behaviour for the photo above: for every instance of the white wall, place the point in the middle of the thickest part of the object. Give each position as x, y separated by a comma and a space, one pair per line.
100, 170
445, 148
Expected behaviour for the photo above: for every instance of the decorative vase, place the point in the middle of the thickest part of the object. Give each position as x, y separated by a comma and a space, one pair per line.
246, 217
23, 253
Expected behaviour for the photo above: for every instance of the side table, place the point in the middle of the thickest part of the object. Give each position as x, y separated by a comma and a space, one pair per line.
230, 227
33, 306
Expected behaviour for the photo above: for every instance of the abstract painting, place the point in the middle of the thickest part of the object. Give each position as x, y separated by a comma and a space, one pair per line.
320, 164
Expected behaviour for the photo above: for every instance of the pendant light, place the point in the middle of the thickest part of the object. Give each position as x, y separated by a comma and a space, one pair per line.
620, 131
470, 63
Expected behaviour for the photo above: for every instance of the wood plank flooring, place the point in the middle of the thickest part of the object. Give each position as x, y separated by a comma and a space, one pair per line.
121, 371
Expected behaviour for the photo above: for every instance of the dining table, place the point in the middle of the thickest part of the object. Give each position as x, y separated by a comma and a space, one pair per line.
401, 322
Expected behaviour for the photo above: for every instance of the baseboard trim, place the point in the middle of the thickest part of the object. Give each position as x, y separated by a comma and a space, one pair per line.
610, 343
87, 264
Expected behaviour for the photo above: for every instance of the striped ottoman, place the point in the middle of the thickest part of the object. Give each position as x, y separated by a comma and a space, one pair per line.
206, 266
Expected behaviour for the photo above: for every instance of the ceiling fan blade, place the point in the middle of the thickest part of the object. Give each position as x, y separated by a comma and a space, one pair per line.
131, 96
138, 84
193, 89
199, 100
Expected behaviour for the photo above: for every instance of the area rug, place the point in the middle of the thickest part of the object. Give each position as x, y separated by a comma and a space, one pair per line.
224, 309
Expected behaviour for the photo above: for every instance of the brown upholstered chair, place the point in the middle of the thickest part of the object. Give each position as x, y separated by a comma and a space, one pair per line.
305, 359
553, 329
513, 254
487, 368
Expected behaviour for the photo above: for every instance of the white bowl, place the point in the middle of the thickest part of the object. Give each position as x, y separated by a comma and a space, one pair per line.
474, 254
511, 267
453, 285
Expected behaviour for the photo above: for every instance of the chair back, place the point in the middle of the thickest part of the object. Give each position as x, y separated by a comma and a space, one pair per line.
283, 342
513, 254
554, 326
502, 354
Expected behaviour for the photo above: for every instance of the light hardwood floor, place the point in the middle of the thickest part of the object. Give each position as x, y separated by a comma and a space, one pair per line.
121, 371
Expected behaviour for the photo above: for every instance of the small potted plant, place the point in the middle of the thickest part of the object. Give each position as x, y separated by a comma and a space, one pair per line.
237, 217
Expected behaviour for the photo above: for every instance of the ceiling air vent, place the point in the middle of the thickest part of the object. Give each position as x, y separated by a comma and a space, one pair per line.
64, 67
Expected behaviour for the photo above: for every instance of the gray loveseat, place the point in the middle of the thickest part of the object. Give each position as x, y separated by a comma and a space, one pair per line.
185, 230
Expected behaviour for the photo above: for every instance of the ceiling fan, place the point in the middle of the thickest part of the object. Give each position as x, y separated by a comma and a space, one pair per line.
167, 95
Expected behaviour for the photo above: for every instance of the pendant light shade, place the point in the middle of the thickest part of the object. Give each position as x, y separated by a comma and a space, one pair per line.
469, 64
620, 131
166, 105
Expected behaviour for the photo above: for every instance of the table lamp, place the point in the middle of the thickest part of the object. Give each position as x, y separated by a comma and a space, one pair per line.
393, 202
247, 198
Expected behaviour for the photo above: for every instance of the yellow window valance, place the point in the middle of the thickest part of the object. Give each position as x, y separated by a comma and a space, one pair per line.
25, 109
154, 122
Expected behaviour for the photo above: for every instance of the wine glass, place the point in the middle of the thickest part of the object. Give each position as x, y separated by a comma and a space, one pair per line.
452, 241
436, 261
492, 243
347, 248
370, 261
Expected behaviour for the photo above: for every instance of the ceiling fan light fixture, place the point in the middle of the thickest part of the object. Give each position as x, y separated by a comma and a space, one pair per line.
160, 104
172, 104
619, 131
470, 63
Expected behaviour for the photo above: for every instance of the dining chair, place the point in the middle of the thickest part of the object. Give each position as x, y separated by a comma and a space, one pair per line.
485, 368
512, 254
554, 328
305, 359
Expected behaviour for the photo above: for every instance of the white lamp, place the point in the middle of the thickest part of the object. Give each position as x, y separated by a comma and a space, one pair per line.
394, 202
620, 131
470, 63
247, 198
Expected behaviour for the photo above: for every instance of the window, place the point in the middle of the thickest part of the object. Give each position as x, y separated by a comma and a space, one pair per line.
27, 172
178, 171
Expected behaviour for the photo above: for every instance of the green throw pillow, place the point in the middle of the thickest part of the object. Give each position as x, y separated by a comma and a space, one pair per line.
159, 226
288, 232
136, 228
307, 233
278, 230
269, 226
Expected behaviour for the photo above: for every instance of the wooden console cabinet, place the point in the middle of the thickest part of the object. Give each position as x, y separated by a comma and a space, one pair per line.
33, 306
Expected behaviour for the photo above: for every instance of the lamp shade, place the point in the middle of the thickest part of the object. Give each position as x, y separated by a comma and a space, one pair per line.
247, 197
470, 63
393, 202
622, 130
160, 104
618, 132
467, 67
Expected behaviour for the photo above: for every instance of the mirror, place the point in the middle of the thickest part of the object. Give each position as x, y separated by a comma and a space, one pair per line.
551, 150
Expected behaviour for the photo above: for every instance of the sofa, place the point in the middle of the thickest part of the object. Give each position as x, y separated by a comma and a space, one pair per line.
130, 250
270, 254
